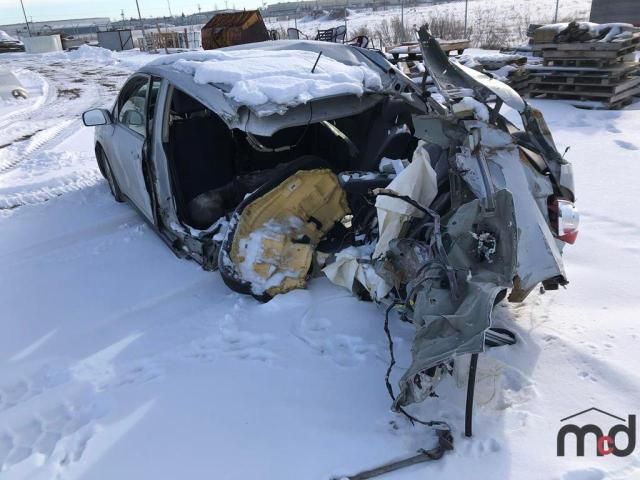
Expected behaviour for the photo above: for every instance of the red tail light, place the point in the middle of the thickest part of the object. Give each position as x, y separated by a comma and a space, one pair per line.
565, 219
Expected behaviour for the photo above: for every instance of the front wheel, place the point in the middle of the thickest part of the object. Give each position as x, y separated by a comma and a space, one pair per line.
103, 162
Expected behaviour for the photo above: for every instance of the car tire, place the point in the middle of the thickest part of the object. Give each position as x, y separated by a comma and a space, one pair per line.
105, 167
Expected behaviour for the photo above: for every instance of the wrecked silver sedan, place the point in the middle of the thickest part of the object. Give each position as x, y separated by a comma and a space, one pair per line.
278, 161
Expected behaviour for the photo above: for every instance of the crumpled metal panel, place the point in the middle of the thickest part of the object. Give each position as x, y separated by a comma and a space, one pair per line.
453, 78
447, 326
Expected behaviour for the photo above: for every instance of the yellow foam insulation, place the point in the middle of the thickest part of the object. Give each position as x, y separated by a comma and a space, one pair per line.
277, 233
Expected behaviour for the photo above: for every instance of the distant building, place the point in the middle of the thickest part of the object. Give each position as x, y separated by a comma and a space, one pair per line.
199, 18
77, 26
609, 11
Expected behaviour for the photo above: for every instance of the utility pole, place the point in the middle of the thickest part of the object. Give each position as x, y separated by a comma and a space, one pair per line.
141, 24
25, 18
122, 15
466, 10
555, 18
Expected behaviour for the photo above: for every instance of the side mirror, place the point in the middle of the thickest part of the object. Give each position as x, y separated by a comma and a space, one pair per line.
95, 117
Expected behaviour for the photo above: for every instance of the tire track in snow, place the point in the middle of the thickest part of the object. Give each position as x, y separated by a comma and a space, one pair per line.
71, 183
48, 96
42, 140
93, 87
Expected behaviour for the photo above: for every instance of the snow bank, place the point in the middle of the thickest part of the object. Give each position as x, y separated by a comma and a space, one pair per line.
89, 54
256, 77
93, 54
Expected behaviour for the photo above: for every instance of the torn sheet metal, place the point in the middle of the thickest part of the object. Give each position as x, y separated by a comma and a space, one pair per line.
447, 326
537, 251
454, 80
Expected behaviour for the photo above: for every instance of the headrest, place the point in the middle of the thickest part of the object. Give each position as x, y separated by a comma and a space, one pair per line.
181, 103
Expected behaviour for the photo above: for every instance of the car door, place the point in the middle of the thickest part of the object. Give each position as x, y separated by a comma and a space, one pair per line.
130, 139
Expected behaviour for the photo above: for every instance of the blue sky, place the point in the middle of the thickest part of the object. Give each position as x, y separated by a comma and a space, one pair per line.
10, 11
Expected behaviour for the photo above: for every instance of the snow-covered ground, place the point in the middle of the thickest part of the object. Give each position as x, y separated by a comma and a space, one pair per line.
120, 360
514, 15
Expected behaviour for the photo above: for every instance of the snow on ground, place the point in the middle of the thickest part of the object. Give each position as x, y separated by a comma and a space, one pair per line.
61, 86
120, 360
490, 12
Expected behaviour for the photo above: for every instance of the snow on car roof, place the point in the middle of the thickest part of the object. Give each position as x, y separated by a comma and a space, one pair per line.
267, 79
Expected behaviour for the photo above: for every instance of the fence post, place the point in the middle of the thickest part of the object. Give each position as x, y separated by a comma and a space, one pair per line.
466, 10
402, 18
141, 24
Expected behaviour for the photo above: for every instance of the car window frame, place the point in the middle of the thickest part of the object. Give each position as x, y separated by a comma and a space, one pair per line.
150, 119
126, 90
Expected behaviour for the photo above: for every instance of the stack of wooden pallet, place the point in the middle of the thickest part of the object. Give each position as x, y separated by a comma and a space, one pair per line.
408, 56
595, 73
519, 80
410, 51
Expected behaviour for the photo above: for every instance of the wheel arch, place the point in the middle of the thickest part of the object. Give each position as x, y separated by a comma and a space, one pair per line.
99, 149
